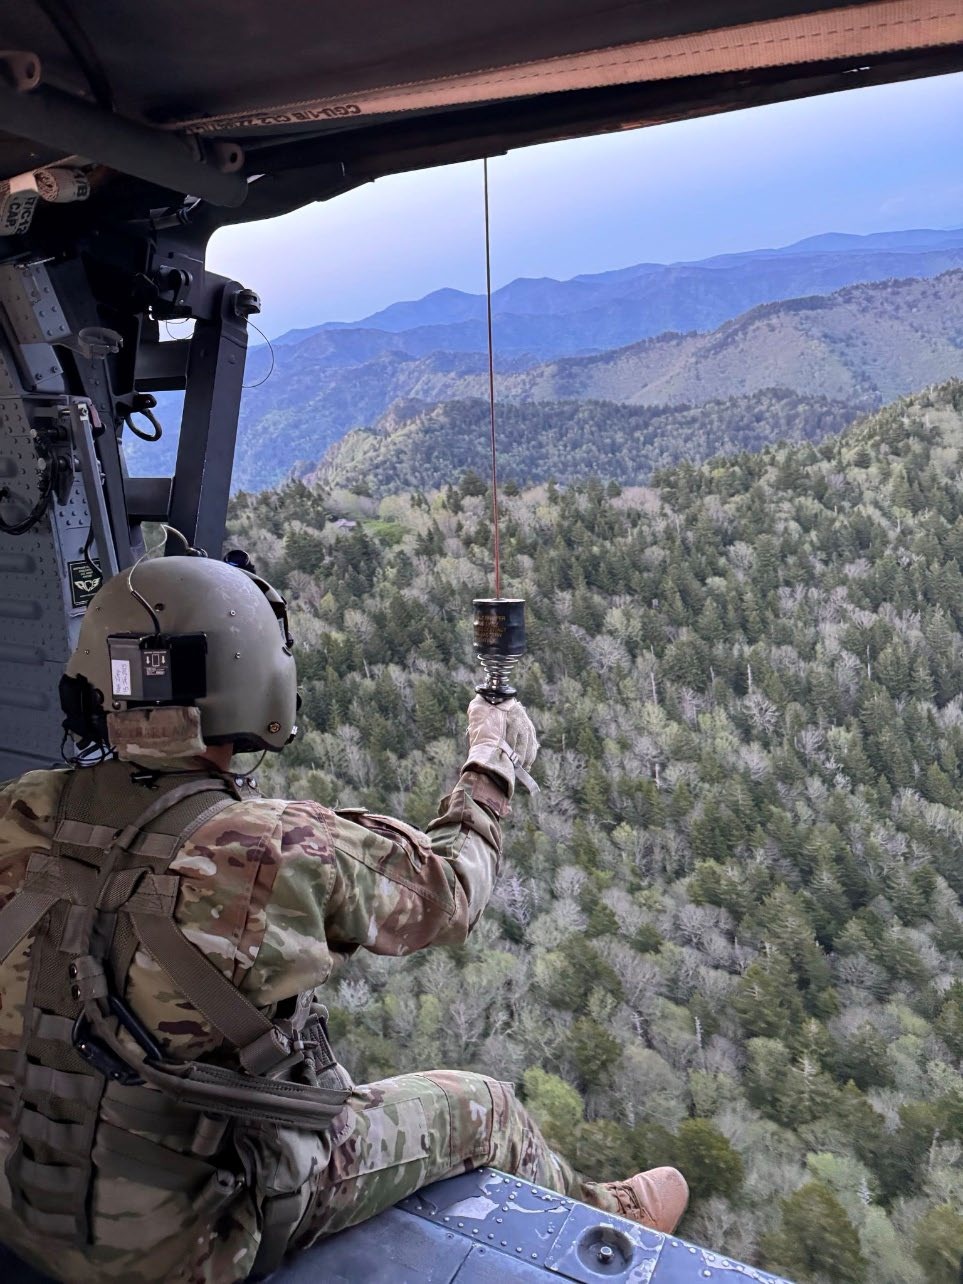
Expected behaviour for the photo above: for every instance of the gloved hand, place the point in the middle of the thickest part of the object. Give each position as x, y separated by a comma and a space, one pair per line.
502, 741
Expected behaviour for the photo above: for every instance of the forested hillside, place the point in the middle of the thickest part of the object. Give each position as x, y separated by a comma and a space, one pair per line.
872, 342
728, 932
415, 444
863, 345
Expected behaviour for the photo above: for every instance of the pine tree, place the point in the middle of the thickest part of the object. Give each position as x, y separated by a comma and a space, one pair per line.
815, 1240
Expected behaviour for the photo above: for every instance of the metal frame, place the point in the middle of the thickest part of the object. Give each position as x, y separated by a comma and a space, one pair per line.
59, 389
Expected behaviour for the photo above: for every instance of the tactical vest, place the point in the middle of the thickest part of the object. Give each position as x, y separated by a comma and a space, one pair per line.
81, 1092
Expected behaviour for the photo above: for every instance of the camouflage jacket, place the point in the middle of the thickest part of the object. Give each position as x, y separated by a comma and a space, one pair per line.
278, 894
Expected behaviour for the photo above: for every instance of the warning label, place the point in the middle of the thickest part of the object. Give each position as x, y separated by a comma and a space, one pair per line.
85, 580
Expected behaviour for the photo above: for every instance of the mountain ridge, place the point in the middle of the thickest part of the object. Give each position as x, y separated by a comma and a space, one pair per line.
853, 350
302, 396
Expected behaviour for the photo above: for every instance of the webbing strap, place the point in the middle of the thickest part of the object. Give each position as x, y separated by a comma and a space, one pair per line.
521, 775
79, 834
118, 1153
20, 916
166, 802
49, 1026
56, 1225
55, 1179
201, 981
84, 835
42, 1081
146, 1110
63, 1137
259, 1100
280, 1216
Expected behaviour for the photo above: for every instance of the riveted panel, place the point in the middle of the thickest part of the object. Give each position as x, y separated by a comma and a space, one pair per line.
44, 569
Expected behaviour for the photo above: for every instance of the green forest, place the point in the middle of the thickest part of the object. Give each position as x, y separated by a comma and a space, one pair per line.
416, 443
728, 933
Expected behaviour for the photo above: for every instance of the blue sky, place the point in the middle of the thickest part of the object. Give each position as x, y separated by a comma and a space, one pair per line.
868, 160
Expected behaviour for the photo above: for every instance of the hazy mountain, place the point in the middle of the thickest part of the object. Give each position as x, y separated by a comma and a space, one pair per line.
317, 385
609, 309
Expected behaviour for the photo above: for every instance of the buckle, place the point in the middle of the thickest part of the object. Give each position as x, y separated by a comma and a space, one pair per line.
102, 1057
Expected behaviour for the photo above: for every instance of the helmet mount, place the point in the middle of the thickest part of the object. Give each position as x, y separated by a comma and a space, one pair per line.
218, 642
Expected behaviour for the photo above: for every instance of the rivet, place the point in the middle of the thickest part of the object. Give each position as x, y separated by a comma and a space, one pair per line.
490, 1236
72, 970
504, 1243
534, 1257
499, 1220
447, 1219
707, 1274
518, 1248
75, 991
232, 612
461, 1224
474, 1230
86, 651
237, 655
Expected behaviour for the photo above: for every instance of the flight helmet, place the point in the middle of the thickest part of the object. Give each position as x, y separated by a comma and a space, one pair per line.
185, 631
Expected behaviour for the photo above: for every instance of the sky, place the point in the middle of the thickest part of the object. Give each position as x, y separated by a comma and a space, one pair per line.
869, 160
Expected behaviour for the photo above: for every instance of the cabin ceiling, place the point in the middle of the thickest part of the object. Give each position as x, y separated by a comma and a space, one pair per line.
256, 108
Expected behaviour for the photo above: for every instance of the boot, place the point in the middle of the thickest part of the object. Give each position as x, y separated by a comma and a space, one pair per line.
656, 1198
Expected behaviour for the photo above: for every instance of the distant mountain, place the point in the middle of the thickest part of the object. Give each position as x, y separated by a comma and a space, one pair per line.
416, 446
609, 309
318, 384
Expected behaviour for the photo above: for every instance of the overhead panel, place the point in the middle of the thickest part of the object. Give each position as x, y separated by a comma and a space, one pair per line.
856, 31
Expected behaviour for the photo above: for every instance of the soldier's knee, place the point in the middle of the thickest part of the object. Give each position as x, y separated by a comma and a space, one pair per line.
476, 1106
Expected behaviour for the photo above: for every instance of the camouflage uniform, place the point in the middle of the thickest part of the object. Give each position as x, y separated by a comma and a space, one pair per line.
278, 894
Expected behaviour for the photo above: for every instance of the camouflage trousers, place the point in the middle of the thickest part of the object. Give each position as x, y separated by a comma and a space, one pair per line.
398, 1135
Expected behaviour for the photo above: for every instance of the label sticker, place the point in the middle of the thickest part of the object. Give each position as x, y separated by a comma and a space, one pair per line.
120, 677
155, 664
85, 579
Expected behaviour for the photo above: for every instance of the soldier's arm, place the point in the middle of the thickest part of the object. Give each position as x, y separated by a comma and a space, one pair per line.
396, 889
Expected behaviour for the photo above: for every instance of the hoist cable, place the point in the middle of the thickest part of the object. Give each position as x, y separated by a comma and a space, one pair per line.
491, 387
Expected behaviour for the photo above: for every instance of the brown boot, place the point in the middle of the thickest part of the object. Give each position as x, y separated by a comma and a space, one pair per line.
656, 1198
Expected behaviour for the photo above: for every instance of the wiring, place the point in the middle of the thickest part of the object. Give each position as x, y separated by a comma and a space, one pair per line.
149, 552
84, 53
270, 345
40, 507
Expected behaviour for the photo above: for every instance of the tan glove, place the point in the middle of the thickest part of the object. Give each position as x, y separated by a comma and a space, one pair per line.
502, 741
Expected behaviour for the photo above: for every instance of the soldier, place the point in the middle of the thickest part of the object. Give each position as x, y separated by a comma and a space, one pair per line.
170, 1107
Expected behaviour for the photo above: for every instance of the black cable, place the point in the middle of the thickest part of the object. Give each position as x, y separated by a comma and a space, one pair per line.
75, 38
491, 387
36, 513
270, 345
